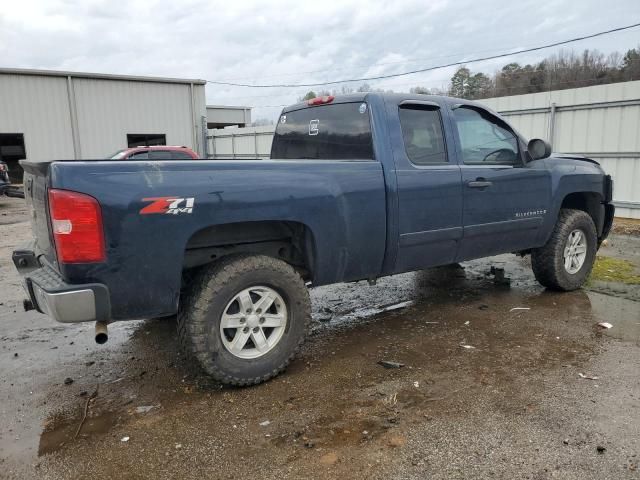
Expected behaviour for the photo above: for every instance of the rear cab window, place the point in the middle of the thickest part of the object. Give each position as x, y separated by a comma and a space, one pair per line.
422, 134
339, 131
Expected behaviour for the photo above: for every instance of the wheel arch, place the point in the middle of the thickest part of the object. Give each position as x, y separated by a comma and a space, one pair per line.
590, 202
290, 241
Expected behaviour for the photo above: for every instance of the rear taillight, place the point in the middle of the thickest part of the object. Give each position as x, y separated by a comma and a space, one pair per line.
76, 222
320, 100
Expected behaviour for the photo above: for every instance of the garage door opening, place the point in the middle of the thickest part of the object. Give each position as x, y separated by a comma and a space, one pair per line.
145, 139
11, 151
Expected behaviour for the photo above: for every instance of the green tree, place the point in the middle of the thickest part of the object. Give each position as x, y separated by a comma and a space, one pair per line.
460, 83
420, 90
308, 96
631, 64
507, 80
464, 84
564, 69
511, 68
480, 86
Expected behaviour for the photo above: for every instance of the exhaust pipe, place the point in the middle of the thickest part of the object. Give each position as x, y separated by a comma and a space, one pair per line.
102, 333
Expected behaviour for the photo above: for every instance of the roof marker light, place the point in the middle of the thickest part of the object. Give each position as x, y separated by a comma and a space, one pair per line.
321, 100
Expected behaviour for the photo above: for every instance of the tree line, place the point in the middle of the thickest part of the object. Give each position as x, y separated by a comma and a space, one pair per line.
557, 72
566, 69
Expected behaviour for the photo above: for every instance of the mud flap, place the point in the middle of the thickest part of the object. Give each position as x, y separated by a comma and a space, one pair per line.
609, 212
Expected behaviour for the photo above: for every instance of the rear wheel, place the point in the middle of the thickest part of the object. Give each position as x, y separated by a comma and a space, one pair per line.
245, 318
566, 260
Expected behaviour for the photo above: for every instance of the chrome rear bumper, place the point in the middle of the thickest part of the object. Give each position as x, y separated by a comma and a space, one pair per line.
51, 295
68, 307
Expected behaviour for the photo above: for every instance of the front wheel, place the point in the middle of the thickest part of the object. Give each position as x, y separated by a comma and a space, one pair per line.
245, 318
566, 260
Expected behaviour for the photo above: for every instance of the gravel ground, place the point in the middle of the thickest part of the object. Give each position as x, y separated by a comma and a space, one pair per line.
627, 226
485, 391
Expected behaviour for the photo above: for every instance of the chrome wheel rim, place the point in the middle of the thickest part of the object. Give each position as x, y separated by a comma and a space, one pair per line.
253, 322
575, 251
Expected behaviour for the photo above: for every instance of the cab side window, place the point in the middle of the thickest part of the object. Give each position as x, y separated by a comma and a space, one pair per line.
484, 139
422, 134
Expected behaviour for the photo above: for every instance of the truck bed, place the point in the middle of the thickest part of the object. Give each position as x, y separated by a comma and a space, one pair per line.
346, 199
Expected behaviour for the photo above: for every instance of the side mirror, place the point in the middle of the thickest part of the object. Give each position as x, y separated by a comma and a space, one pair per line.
538, 149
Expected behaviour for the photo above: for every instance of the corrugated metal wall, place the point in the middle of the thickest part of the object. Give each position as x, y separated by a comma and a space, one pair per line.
108, 110
102, 111
601, 122
222, 114
37, 107
241, 143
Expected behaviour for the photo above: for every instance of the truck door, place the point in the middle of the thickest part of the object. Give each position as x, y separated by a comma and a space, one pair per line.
429, 187
504, 198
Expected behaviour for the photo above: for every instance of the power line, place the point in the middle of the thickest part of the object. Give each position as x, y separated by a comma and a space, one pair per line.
521, 73
369, 65
493, 90
394, 75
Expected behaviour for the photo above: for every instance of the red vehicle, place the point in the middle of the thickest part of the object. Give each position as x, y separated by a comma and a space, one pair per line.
155, 152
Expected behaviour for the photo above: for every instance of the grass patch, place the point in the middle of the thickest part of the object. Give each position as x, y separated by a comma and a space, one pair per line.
608, 269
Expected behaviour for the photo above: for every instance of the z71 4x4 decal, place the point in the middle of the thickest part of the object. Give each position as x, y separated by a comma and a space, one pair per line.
168, 205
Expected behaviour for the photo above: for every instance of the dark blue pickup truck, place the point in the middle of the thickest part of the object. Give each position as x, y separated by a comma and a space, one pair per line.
357, 187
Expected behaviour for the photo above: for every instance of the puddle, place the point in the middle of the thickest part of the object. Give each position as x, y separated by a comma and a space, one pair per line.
337, 391
623, 314
58, 435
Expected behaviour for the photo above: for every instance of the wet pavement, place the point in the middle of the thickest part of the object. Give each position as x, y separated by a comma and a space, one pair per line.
486, 391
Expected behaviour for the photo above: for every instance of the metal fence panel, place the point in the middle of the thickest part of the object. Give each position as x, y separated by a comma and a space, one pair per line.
240, 143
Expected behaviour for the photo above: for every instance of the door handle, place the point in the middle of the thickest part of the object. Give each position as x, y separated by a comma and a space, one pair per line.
479, 183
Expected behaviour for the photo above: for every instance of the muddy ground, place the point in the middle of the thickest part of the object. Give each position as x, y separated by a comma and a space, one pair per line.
485, 391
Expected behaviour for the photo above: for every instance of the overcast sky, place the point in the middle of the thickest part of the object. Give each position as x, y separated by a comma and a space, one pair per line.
299, 41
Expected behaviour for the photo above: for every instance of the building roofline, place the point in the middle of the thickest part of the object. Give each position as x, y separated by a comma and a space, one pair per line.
100, 76
229, 107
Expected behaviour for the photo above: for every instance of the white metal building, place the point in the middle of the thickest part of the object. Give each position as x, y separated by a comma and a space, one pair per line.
70, 115
601, 122
222, 116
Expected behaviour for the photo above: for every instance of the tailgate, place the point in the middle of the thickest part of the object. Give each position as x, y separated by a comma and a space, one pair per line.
35, 193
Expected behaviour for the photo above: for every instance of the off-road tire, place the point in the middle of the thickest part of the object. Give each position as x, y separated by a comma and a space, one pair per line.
203, 304
548, 262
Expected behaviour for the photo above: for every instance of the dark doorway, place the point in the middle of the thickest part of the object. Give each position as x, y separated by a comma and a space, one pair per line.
146, 139
11, 151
